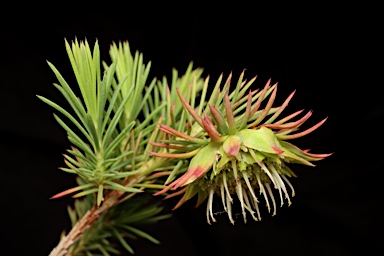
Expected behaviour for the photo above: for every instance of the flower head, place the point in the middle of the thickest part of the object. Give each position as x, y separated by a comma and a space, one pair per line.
236, 148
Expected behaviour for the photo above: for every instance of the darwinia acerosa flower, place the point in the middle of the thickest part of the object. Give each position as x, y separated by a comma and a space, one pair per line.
237, 148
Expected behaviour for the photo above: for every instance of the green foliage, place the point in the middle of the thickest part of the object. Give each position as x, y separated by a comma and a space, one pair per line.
111, 126
104, 154
115, 228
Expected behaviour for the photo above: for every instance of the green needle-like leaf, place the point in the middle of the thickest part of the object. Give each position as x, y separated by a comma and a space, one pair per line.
142, 234
69, 116
76, 104
100, 194
116, 186
80, 143
118, 139
122, 241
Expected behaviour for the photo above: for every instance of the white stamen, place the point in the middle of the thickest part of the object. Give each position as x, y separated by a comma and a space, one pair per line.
256, 206
273, 199
223, 195
229, 207
248, 205
281, 183
207, 213
257, 210
234, 169
281, 197
262, 190
210, 200
226, 186
279, 188
239, 193
262, 166
245, 176
289, 184
269, 174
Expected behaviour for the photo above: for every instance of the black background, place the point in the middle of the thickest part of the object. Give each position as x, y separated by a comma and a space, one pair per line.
329, 57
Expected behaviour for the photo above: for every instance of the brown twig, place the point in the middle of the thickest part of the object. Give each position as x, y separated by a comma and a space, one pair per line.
91, 216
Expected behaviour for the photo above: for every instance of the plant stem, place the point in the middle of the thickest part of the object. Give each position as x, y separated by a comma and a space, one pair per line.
111, 199
89, 218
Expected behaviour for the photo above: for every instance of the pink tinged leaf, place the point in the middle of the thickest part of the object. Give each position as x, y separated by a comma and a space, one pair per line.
211, 129
170, 155
301, 134
231, 145
285, 119
247, 113
71, 190
218, 117
181, 191
229, 114
281, 108
261, 98
278, 151
172, 112
160, 174
170, 186
266, 110
164, 145
289, 155
169, 130
199, 165
242, 100
262, 139
290, 125
189, 193
319, 156
304, 153
190, 109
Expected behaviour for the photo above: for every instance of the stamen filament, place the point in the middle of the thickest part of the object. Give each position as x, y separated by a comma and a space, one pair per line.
282, 185
229, 207
262, 191
209, 207
289, 184
222, 193
226, 187
239, 192
234, 169
273, 199
245, 176
248, 205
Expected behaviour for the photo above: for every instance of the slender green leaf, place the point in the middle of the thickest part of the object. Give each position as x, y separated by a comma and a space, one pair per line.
64, 112
142, 234
93, 132
112, 102
114, 121
118, 139
117, 186
86, 192
174, 172
79, 142
100, 194
79, 113
67, 89
122, 241
103, 93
